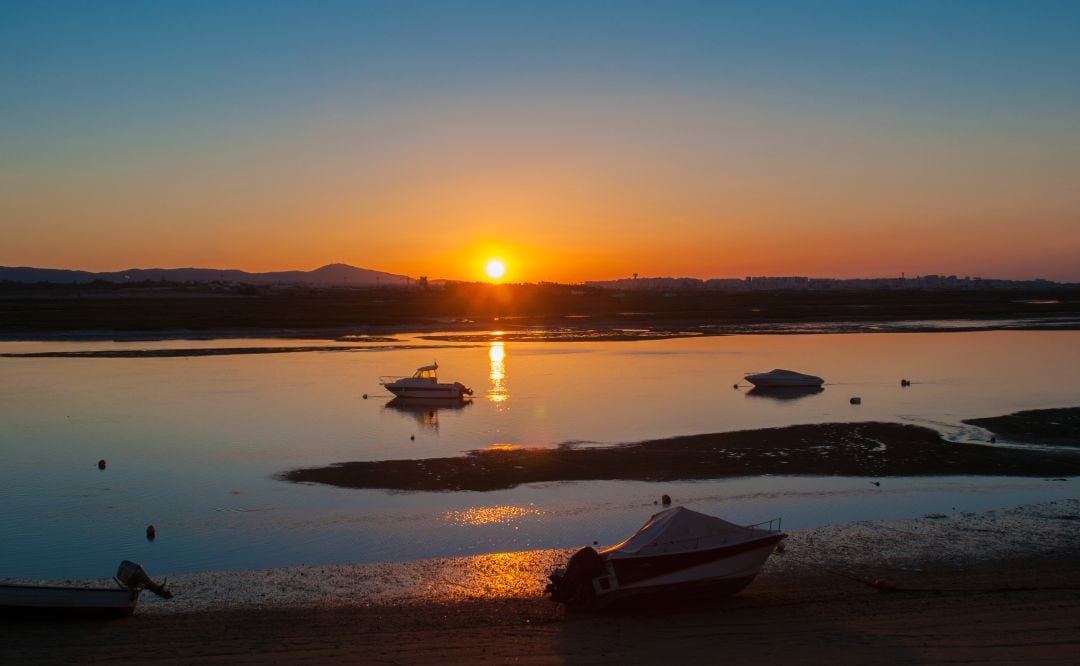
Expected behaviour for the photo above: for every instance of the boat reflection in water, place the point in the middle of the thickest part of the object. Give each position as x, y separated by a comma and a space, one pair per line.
426, 410
784, 393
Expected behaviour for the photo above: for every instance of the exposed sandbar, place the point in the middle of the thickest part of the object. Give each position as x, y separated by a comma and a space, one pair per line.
1060, 427
217, 351
830, 449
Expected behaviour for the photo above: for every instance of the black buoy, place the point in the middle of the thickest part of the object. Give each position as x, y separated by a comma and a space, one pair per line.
151, 532
101, 464
412, 437
856, 400
665, 500
365, 396
905, 382
735, 386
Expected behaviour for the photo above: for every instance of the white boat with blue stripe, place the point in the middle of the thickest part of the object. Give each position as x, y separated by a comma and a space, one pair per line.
424, 384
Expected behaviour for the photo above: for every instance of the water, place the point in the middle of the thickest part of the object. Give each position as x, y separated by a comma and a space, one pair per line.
193, 443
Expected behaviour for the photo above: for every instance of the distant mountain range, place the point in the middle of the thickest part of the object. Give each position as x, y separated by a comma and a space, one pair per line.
332, 275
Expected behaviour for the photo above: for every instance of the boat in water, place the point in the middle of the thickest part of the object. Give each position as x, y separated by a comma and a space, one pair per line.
780, 378
33, 600
424, 385
678, 553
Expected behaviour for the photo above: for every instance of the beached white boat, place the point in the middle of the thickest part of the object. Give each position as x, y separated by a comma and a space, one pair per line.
678, 553
30, 600
780, 378
424, 385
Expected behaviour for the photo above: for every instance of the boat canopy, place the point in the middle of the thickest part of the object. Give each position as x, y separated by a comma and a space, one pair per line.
680, 530
427, 370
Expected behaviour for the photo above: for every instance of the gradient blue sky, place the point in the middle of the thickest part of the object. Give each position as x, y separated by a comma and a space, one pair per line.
579, 140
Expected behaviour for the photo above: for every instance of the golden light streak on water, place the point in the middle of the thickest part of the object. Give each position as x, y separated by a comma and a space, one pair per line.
486, 515
497, 372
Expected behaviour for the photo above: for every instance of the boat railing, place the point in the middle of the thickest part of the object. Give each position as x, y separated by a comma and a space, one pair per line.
389, 379
767, 525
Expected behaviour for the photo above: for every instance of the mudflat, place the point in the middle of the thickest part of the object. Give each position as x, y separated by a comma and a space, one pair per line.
847, 449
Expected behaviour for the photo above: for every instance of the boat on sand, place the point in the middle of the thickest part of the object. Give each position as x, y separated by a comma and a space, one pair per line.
677, 554
780, 378
424, 385
33, 600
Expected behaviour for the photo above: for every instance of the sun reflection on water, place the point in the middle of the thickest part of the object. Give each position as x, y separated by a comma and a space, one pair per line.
497, 372
486, 515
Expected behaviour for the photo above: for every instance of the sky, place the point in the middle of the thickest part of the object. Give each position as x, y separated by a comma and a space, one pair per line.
584, 140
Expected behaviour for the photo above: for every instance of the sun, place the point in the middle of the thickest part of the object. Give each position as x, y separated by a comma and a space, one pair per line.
495, 269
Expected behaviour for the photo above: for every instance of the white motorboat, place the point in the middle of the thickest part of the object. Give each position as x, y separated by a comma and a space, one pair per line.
424, 385
32, 600
780, 378
678, 553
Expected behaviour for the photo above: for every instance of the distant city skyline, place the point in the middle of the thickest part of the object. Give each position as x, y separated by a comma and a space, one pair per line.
575, 141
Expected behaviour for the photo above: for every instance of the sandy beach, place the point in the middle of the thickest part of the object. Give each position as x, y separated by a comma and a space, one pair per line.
995, 587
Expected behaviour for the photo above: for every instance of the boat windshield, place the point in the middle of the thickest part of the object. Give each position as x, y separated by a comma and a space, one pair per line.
426, 372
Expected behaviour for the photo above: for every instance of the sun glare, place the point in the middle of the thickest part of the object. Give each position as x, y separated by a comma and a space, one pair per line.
495, 269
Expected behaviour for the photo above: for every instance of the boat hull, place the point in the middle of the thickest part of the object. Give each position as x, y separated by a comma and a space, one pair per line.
672, 593
784, 379
698, 574
48, 601
437, 392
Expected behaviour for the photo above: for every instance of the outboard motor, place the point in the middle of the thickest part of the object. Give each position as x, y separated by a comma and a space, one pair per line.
134, 576
573, 586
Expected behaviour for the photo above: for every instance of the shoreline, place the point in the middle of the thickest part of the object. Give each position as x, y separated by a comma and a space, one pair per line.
992, 587
939, 542
583, 328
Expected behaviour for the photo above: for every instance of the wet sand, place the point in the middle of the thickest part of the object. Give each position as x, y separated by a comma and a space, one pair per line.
846, 449
995, 587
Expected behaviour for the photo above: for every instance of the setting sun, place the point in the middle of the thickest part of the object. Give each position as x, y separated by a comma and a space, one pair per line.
495, 269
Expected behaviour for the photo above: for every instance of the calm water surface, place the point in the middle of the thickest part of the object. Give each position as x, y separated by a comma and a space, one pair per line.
192, 443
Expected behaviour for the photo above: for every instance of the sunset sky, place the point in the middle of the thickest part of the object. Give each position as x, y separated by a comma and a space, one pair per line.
575, 140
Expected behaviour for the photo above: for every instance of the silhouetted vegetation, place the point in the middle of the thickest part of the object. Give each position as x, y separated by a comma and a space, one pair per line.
159, 306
